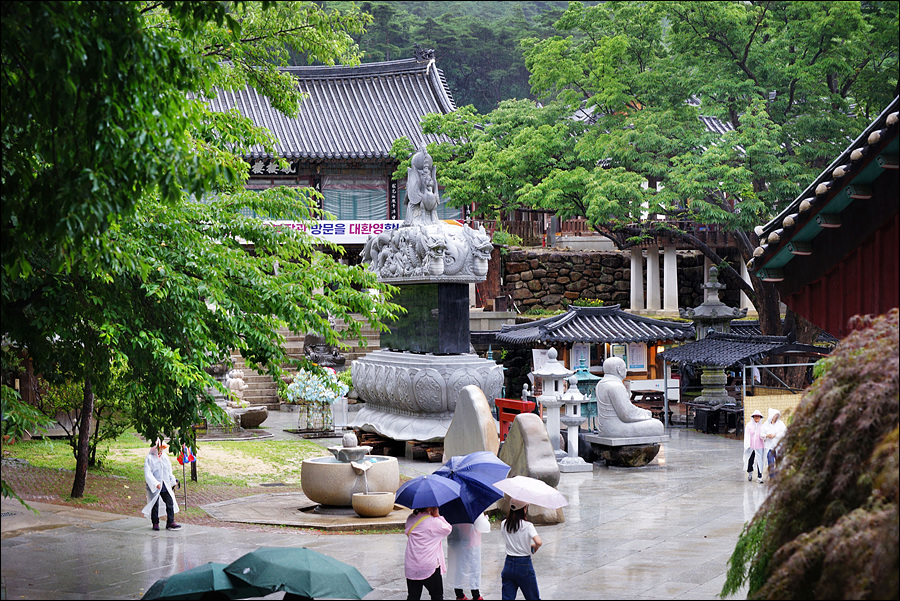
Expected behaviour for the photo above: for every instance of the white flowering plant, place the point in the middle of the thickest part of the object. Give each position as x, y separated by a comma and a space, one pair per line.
310, 387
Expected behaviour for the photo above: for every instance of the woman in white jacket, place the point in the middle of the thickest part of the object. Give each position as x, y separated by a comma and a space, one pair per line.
160, 483
772, 432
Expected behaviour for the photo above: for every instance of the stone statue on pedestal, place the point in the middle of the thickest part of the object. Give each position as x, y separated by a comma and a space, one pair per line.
422, 197
618, 417
425, 249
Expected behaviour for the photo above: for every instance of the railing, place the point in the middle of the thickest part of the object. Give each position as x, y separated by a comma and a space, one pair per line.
531, 232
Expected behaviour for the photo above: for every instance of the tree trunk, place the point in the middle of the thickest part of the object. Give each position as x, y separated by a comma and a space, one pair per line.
84, 441
768, 307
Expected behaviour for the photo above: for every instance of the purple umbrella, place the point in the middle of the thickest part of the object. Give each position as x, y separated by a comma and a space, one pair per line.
475, 473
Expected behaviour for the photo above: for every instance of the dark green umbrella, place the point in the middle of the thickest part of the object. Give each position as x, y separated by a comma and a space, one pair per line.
209, 579
299, 571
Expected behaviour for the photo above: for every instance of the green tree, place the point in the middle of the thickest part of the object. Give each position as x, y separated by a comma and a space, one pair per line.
108, 257
112, 413
794, 80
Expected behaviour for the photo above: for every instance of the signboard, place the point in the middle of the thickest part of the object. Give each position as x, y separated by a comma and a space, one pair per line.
620, 351
580, 350
341, 232
637, 356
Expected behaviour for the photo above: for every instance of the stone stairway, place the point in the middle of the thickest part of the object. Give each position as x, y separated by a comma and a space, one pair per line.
261, 390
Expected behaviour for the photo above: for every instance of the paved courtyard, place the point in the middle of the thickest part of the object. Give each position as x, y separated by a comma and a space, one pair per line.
664, 531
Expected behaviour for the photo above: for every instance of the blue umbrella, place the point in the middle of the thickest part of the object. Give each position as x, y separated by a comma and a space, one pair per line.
427, 491
475, 473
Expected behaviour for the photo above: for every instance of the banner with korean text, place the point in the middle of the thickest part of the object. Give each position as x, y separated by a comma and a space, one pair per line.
341, 232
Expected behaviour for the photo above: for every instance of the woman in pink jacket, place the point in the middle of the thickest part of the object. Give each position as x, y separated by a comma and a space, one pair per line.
753, 446
424, 560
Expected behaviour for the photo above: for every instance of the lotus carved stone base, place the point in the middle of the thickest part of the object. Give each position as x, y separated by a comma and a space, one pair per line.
410, 396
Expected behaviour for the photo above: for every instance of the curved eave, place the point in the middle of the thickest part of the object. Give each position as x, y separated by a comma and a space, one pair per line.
841, 184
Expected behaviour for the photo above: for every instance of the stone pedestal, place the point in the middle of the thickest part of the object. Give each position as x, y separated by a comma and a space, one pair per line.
626, 452
410, 396
572, 462
551, 407
713, 380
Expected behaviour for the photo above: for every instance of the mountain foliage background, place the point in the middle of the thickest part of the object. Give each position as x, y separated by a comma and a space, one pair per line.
476, 44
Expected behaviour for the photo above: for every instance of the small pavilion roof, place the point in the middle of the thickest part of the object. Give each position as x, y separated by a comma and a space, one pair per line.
595, 325
733, 349
349, 112
751, 327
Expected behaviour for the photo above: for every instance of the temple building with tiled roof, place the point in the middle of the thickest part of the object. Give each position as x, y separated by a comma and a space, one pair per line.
340, 141
832, 253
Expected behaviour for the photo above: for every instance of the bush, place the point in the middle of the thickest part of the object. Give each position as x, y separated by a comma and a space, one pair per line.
831, 520
502, 237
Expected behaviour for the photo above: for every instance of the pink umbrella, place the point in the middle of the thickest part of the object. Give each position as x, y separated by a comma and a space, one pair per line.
532, 491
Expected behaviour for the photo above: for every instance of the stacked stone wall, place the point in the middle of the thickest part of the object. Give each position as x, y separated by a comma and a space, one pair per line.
553, 279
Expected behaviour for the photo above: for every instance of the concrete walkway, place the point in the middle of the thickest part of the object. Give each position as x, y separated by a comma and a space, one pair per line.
664, 531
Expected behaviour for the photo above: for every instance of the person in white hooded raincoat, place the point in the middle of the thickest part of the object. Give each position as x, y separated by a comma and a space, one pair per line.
160, 484
754, 446
772, 432
464, 556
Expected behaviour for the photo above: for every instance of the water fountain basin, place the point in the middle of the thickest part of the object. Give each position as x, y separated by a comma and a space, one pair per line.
348, 454
327, 481
373, 504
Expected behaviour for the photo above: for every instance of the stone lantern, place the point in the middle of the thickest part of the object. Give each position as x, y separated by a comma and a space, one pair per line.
553, 374
572, 420
587, 382
713, 315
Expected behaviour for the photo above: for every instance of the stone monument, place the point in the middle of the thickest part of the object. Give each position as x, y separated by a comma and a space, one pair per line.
410, 386
626, 435
527, 452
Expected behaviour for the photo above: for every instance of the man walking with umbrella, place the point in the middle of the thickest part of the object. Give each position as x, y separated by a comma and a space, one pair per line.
424, 560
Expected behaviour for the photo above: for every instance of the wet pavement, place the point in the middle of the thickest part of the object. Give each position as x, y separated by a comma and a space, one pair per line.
663, 531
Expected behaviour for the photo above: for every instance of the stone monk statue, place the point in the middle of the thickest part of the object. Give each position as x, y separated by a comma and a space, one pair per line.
617, 416
422, 196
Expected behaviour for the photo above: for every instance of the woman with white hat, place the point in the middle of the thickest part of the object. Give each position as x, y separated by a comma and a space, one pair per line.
753, 446
522, 541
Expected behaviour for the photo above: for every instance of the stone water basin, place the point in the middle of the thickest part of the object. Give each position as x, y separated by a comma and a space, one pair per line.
327, 481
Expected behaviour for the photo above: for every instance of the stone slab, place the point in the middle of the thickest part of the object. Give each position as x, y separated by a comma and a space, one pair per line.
621, 442
473, 427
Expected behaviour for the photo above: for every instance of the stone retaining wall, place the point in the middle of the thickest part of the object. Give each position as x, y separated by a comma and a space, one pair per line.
552, 279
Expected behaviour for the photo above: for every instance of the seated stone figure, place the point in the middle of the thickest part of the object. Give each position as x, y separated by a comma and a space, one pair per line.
617, 416
321, 353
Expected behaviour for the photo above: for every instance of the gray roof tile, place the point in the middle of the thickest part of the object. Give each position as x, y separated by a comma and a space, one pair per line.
351, 112
596, 325
734, 349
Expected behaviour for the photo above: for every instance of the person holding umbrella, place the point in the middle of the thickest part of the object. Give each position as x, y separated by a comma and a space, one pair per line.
522, 541
424, 558
464, 556
475, 473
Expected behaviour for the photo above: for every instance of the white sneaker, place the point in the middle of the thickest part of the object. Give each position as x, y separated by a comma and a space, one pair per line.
760, 480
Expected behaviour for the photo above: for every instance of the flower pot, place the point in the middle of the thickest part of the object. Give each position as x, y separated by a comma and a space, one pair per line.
373, 504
